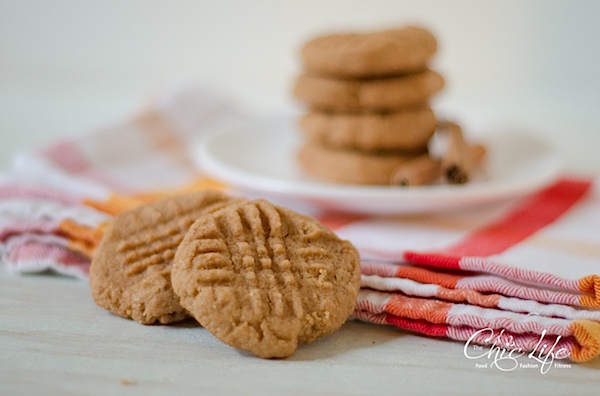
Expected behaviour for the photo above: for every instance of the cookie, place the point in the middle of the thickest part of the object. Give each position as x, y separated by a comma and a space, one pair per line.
372, 54
402, 130
264, 279
382, 94
351, 166
130, 274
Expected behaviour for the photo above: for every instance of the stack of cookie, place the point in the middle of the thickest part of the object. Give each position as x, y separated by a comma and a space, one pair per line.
369, 105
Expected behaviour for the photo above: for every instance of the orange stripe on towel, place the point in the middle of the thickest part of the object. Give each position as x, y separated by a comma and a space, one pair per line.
591, 285
82, 239
470, 296
423, 275
433, 311
587, 334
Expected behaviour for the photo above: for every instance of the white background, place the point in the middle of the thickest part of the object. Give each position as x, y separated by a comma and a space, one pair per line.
68, 66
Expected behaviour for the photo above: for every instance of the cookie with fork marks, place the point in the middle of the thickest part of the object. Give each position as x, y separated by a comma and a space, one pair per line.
130, 274
264, 279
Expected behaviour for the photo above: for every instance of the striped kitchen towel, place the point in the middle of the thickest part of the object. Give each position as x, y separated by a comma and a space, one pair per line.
520, 276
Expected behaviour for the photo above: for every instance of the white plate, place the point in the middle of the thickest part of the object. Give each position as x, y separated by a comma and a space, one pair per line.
259, 159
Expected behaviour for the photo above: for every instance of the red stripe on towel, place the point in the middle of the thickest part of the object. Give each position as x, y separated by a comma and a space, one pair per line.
533, 214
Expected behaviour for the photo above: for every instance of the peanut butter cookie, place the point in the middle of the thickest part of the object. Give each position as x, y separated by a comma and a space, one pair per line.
409, 129
263, 279
130, 274
370, 54
351, 166
382, 94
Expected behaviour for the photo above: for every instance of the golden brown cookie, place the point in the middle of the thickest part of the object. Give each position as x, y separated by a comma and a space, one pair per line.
371, 54
351, 166
263, 278
130, 274
410, 129
382, 94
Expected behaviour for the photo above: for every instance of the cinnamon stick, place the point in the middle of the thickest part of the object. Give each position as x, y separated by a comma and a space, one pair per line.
419, 171
455, 163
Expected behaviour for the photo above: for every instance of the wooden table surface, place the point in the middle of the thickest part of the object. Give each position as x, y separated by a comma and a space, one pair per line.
55, 340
